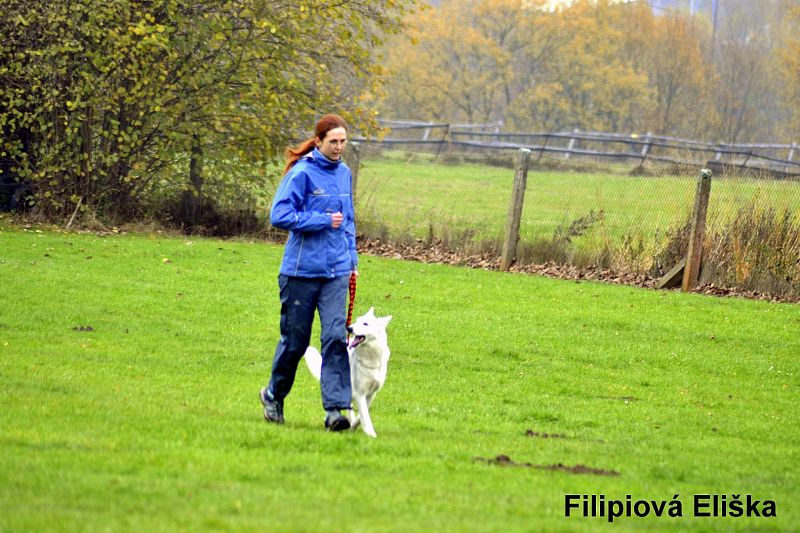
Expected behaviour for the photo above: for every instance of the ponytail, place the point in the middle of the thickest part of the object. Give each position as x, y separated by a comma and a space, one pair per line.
293, 155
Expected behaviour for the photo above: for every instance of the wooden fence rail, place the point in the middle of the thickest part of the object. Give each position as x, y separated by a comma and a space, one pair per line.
778, 159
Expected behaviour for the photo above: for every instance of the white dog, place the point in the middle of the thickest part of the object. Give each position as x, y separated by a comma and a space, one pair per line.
369, 357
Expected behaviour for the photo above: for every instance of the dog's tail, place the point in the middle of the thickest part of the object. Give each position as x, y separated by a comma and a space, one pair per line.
313, 361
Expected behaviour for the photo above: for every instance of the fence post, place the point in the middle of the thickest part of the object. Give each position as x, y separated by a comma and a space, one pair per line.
497, 131
352, 158
694, 251
746, 159
544, 145
646, 148
571, 144
425, 134
445, 139
792, 148
515, 208
718, 155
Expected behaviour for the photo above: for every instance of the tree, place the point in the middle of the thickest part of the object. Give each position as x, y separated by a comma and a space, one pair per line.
102, 101
600, 64
458, 61
789, 64
671, 50
513, 60
748, 94
587, 83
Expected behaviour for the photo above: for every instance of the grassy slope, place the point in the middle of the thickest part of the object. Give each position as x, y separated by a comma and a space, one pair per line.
151, 420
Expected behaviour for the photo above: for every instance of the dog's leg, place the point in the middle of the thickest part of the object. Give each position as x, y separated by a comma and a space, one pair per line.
363, 415
353, 418
371, 397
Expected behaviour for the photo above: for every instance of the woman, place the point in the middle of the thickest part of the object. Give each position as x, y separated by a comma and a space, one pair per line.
314, 203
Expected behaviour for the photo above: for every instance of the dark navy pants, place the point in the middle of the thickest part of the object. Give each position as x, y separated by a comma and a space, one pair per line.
300, 298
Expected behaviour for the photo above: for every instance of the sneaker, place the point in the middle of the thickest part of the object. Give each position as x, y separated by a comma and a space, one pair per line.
335, 421
273, 409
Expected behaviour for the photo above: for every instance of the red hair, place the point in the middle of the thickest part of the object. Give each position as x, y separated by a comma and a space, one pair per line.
326, 123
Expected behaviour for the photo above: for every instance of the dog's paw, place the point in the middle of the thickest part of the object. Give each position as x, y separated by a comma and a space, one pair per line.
372, 434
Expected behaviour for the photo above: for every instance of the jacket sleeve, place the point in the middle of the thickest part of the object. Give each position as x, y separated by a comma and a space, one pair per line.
350, 229
287, 207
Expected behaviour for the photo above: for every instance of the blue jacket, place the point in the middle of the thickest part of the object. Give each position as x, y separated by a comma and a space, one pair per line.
313, 189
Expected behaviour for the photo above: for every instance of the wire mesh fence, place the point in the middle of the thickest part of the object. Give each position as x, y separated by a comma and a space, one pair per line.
630, 214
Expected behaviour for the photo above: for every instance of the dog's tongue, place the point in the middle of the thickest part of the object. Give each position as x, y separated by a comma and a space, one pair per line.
355, 341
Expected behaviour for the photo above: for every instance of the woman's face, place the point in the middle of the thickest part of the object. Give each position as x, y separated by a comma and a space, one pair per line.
332, 145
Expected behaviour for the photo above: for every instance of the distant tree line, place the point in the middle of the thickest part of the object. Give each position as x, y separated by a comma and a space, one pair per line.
602, 66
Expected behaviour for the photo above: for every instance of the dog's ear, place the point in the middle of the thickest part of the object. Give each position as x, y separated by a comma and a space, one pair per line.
386, 319
371, 311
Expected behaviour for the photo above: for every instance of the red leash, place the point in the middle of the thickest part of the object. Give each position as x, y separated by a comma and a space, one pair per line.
352, 302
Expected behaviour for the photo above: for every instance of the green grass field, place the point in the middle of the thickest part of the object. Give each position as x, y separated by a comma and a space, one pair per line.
131, 364
409, 194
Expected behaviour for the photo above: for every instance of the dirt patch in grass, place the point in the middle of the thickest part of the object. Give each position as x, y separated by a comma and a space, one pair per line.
579, 469
538, 435
505, 460
502, 460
